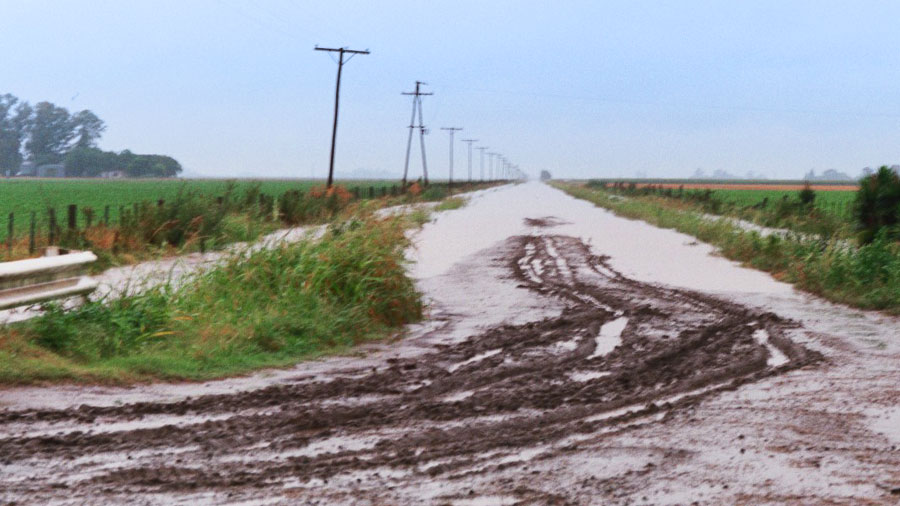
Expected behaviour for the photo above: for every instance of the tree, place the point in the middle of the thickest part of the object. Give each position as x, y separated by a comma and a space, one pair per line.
50, 133
148, 165
807, 195
14, 119
545, 175
88, 128
90, 162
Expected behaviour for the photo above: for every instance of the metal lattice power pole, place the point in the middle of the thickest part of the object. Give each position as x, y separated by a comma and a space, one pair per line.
337, 95
451, 131
417, 105
482, 149
469, 142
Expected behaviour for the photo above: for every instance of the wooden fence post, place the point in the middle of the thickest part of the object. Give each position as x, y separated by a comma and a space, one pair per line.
51, 214
73, 216
10, 229
31, 247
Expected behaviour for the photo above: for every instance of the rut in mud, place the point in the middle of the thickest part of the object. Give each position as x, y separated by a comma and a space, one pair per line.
621, 353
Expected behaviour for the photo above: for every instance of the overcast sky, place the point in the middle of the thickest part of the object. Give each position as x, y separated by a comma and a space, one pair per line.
582, 88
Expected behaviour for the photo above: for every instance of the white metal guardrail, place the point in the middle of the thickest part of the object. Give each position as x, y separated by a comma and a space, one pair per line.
26, 282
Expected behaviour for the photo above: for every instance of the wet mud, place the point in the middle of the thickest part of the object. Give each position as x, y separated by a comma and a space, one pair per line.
422, 429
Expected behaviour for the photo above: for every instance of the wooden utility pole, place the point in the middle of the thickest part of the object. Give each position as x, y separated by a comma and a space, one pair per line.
337, 95
451, 131
482, 149
469, 142
491, 165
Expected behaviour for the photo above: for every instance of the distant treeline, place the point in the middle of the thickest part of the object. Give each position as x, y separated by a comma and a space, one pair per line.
46, 134
92, 162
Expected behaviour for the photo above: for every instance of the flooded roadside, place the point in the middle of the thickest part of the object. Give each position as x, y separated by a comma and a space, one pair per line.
565, 361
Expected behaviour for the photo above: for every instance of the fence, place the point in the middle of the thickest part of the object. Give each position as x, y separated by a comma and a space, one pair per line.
46, 228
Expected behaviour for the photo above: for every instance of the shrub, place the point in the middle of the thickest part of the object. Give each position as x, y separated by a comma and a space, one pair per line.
807, 195
877, 204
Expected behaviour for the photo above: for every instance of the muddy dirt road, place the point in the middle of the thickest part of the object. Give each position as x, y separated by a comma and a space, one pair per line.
571, 357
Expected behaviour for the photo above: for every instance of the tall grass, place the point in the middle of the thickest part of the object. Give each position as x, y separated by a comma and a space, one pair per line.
866, 276
261, 307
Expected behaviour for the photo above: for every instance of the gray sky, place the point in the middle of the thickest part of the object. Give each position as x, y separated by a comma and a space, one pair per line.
582, 88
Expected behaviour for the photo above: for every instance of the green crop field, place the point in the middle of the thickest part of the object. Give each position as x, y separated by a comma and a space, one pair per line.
836, 202
24, 196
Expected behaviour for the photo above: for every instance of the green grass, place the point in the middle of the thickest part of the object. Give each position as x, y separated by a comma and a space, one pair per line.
830, 215
23, 196
450, 203
259, 309
833, 202
866, 276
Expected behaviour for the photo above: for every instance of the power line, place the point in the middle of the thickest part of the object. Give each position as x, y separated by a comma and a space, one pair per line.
337, 95
678, 105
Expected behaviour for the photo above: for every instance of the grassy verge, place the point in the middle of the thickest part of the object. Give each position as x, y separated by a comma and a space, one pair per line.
866, 276
450, 204
767, 208
258, 309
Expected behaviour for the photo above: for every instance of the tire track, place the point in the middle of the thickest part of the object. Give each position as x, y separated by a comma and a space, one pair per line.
621, 353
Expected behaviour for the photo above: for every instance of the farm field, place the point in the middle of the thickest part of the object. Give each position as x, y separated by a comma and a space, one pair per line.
834, 201
24, 196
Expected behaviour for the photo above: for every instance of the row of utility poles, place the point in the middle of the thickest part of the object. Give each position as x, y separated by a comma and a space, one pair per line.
505, 169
